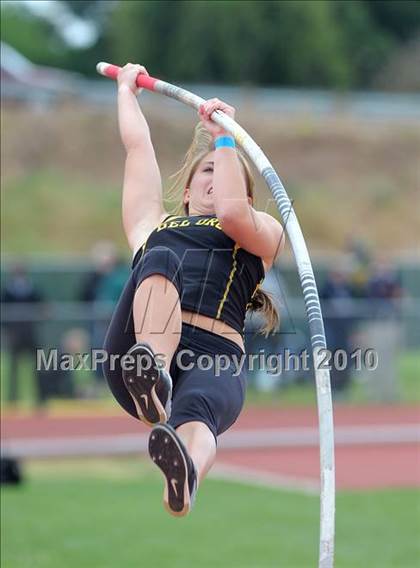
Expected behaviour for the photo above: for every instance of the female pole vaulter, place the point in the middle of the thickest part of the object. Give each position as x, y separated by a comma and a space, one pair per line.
194, 276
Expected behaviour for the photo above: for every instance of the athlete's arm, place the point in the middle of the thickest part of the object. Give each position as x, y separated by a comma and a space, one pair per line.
257, 232
229, 188
142, 202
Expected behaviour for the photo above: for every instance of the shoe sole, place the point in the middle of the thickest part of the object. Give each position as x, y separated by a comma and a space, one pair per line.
167, 454
142, 389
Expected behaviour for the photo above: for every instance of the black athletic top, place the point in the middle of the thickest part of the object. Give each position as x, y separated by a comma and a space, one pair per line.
219, 277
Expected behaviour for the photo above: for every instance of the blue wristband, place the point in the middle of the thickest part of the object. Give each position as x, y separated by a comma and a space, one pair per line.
224, 142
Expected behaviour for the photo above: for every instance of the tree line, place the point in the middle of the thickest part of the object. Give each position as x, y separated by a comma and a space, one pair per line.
339, 44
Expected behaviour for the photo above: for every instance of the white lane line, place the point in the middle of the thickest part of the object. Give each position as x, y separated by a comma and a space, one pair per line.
249, 476
234, 439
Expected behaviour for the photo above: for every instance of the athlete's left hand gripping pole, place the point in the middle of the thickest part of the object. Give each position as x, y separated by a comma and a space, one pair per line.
111, 71
309, 289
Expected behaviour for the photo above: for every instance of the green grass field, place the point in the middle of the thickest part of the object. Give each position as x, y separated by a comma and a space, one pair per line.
108, 513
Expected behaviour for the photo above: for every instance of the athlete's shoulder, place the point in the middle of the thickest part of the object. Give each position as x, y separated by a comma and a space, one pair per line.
145, 229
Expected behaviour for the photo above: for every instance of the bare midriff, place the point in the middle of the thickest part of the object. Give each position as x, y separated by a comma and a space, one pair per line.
215, 326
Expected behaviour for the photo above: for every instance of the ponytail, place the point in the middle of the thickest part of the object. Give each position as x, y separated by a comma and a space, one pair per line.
262, 302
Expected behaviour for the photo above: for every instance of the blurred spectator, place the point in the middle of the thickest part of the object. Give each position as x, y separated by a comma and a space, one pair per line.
21, 334
60, 383
358, 250
383, 330
384, 286
105, 282
337, 310
103, 287
359, 258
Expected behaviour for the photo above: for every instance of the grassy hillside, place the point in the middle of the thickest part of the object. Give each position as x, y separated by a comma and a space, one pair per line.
62, 171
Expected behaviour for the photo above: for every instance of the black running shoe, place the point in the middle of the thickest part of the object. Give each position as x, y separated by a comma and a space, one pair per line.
149, 386
170, 455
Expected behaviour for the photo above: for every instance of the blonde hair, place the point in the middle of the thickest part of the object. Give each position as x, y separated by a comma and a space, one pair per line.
202, 145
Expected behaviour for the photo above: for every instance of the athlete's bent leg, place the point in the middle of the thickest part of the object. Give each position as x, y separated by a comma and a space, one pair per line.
204, 406
157, 328
201, 445
184, 456
157, 316
157, 322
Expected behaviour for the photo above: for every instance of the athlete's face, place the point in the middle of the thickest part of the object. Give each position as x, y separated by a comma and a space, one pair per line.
199, 194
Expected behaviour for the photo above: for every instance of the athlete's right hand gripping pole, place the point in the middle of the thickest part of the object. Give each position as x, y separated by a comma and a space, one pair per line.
309, 288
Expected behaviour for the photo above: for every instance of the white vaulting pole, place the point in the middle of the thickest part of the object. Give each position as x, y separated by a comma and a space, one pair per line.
309, 289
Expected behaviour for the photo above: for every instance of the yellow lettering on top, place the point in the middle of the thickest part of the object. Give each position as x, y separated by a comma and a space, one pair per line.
212, 222
173, 225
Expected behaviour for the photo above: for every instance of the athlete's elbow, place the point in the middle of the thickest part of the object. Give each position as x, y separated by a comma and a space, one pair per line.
232, 224
223, 215
230, 214
137, 142
227, 220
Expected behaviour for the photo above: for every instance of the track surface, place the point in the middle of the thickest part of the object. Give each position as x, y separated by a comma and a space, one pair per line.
361, 462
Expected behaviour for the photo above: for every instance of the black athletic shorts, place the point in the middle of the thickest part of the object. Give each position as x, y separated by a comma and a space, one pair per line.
209, 382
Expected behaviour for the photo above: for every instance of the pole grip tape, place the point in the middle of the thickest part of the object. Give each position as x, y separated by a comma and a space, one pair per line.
111, 71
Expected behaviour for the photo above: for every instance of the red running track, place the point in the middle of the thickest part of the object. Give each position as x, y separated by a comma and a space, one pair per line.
358, 466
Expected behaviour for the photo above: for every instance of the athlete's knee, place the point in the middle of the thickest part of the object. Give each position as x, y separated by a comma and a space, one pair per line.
155, 281
161, 261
